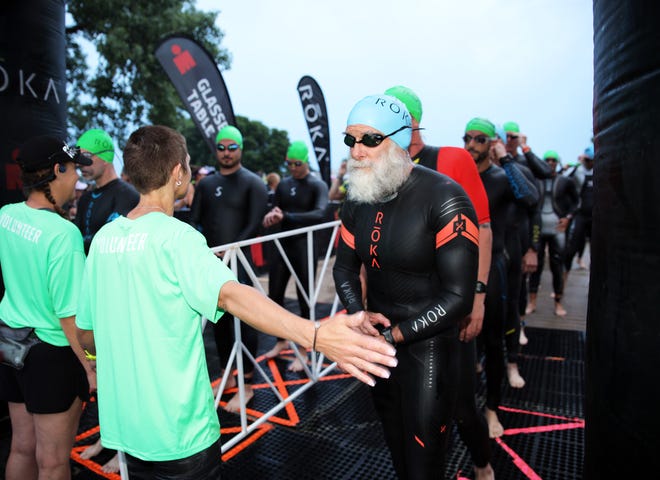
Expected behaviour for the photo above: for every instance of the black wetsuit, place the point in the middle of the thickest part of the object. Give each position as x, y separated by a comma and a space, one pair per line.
102, 205
505, 186
229, 208
559, 199
420, 250
580, 228
304, 203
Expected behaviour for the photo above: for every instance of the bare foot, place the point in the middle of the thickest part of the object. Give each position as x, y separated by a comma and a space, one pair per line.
559, 310
231, 383
112, 465
92, 451
296, 366
495, 428
275, 351
531, 304
234, 405
485, 473
581, 264
523, 340
515, 380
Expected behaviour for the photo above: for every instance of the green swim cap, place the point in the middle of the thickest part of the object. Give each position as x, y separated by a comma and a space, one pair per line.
99, 143
511, 127
551, 154
230, 132
481, 125
298, 151
408, 98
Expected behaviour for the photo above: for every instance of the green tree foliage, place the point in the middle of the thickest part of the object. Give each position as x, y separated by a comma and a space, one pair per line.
116, 83
127, 87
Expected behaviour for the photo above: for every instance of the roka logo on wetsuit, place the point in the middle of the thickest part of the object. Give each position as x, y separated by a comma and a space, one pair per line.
429, 317
375, 238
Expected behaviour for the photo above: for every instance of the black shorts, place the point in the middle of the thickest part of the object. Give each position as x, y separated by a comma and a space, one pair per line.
48, 383
205, 464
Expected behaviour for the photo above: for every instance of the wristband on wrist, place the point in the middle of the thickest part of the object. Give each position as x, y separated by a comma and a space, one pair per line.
89, 356
480, 288
317, 326
387, 334
506, 159
526, 149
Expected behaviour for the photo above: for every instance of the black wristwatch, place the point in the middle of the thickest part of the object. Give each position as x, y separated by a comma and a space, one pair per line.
387, 333
506, 159
481, 287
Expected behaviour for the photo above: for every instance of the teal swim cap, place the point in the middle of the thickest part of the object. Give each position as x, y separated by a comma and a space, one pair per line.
511, 127
386, 114
230, 132
589, 152
551, 154
481, 125
298, 151
99, 143
408, 98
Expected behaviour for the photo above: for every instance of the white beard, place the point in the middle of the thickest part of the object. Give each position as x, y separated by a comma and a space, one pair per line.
373, 181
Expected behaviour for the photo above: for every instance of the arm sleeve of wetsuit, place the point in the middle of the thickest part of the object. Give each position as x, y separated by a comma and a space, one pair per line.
257, 199
346, 271
317, 214
456, 260
524, 189
534, 217
539, 168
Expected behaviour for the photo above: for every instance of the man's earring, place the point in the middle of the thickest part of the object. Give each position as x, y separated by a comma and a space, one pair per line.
178, 183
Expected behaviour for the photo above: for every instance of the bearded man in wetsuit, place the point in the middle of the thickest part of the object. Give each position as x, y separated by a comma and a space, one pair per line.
416, 232
228, 207
111, 196
506, 186
301, 200
457, 164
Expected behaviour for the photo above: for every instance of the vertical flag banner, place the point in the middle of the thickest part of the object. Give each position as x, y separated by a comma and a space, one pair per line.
316, 116
199, 83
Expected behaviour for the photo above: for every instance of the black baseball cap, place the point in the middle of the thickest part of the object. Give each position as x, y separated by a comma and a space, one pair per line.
44, 151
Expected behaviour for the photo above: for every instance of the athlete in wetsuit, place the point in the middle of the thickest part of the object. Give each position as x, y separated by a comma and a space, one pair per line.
505, 186
459, 165
300, 201
228, 207
580, 227
415, 231
112, 196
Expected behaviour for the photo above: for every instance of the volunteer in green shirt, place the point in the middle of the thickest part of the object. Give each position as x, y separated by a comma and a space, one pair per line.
155, 398
42, 259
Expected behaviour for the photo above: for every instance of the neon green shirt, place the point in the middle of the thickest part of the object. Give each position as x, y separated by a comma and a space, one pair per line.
146, 283
42, 261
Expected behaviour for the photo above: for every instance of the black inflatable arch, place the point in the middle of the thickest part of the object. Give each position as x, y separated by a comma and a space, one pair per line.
623, 320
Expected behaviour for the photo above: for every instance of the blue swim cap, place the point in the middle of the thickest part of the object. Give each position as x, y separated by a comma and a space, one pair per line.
589, 152
386, 114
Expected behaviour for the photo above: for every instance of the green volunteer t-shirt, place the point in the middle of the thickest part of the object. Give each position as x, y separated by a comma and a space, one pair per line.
146, 283
42, 259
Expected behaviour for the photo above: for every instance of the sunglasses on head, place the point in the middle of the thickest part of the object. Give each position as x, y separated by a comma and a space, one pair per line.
232, 148
369, 139
290, 163
479, 139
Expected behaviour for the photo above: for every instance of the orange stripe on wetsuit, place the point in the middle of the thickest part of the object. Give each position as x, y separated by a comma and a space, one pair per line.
347, 237
459, 225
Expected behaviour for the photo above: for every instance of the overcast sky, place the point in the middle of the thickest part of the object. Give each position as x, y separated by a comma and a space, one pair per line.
529, 61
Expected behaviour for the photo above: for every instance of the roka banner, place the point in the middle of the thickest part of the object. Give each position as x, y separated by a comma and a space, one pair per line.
316, 116
199, 83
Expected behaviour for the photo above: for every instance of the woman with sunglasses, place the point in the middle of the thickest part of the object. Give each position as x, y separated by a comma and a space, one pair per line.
42, 260
415, 232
